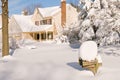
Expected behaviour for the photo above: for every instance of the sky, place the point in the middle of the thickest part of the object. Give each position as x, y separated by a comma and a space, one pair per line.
16, 6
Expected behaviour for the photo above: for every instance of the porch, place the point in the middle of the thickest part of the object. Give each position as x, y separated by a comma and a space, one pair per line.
42, 36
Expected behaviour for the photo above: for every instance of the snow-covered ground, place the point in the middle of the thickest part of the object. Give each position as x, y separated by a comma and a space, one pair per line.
57, 62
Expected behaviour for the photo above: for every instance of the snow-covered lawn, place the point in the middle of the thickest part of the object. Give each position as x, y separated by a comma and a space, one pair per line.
57, 62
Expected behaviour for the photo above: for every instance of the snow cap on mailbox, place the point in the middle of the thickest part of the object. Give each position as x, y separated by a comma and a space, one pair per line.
88, 50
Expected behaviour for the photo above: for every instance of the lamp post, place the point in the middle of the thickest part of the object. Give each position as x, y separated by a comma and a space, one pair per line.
5, 38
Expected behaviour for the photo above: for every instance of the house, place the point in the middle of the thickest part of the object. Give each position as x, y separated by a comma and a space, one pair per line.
22, 27
45, 23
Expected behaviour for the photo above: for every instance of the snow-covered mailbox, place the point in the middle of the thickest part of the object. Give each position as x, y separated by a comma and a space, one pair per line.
88, 56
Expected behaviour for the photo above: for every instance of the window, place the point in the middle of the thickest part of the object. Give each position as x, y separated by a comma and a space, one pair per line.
49, 21
50, 35
43, 36
44, 22
37, 23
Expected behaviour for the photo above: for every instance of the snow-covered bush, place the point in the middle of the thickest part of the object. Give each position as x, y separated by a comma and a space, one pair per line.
12, 43
61, 39
73, 37
111, 38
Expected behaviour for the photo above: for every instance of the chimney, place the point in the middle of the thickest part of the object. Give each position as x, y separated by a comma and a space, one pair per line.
24, 12
63, 13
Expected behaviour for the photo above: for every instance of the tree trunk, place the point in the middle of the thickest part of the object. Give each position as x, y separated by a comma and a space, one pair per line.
101, 5
5, 38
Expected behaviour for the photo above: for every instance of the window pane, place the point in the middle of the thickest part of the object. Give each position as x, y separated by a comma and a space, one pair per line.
37, 23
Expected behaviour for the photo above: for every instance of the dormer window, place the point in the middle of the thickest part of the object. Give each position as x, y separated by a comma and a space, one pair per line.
46, 22
37, 23
49, 21
43, 22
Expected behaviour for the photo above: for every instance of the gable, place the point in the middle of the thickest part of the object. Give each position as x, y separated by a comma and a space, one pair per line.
37, 16
14, 27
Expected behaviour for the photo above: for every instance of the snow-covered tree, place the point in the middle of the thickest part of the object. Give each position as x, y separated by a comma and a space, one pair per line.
100, 20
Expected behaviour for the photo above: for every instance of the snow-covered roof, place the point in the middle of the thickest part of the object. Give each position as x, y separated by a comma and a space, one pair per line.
50, 11
26, 24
